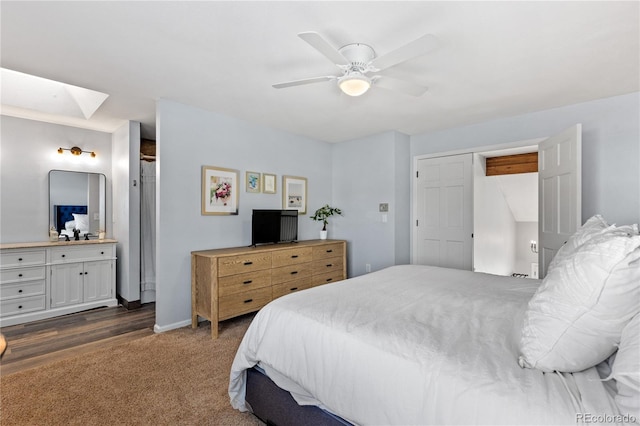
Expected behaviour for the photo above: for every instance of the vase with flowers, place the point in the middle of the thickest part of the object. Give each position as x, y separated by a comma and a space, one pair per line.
322, 215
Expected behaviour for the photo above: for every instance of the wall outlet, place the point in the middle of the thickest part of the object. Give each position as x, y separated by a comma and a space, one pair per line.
367, 267
384, 207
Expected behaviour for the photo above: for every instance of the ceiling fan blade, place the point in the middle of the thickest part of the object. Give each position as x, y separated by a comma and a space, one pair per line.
321, 45
303, 81
410, 50
403, 86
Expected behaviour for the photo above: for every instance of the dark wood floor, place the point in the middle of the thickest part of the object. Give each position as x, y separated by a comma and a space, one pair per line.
40, 342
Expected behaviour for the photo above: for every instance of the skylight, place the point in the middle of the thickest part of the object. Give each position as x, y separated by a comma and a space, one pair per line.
40, 94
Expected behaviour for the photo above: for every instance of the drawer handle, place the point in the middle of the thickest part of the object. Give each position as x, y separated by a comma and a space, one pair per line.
20, 291
329, 265
330, 251
248, 263
19, 275
101, 252
248, 282
294, 256
293, 289
19, 306
329, 279
294, 272
80, 273
64, 255
248, 301
19, 259
86, 273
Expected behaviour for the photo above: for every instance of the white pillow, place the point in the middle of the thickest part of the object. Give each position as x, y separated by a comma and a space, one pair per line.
70, 225
594, 226
82, 222
626, 370
576, 317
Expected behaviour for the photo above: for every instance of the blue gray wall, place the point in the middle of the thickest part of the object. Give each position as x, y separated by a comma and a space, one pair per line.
189, 138
610, 149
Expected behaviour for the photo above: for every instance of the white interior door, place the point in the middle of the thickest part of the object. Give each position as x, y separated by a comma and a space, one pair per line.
559, 192
444, 212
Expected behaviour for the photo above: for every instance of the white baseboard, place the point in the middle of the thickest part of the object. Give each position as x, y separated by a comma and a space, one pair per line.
162, 329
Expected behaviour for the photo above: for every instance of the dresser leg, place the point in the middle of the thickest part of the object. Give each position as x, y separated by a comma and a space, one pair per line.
214, 329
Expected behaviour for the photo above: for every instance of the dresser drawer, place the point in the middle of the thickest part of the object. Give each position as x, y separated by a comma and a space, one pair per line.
22, 305
22, 258
291, 287
328, 265
291, 256
243, 282
327, 278
328, 250
290, 273
81, 253
243, 303
231, 265
22, 274
29, 288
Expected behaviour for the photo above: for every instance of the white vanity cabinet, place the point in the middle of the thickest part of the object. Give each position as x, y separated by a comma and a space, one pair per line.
81, 274
43, 280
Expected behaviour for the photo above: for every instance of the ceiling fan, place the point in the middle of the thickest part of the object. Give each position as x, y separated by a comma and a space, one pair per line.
358, 60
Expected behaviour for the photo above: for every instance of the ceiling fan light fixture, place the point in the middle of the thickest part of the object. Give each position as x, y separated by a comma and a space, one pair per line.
354, 84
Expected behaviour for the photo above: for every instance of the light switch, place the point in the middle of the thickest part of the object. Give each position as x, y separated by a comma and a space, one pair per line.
384, 207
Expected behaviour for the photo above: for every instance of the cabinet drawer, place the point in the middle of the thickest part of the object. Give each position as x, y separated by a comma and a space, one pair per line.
22, 305
327, 278
243, 282
290, 273
22, 258
291, 286
291, 256
29, 288
243, 303
79, 254
328, 250
22, 274
231, 265
327, 265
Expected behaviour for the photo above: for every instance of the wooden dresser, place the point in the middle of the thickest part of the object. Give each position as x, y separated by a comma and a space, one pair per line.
229, 282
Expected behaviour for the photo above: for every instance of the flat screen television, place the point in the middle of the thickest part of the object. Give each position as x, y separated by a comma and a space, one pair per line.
274, 226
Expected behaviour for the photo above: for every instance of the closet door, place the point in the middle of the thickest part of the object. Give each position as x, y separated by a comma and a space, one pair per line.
444, 212
559, 192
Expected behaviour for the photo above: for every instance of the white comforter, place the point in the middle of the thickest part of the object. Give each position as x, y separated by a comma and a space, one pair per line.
413, 345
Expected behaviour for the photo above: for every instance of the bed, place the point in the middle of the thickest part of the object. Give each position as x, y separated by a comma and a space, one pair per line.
68, 218
416, 345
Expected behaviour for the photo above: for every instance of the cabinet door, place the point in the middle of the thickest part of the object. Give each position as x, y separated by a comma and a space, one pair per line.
97, 280
66, 284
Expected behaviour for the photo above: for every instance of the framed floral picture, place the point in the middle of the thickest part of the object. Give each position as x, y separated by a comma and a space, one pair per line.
252, 181
219, 191
294, 193
268, 183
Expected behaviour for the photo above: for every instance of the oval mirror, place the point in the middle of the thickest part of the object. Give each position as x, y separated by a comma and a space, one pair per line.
77, 200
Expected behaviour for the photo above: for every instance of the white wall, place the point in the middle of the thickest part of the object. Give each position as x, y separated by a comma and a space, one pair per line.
126, 210
494, 227
610, 148
28, 153
189, 138
367, 172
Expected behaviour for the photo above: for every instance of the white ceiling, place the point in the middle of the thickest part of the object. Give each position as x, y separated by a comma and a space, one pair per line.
495, 59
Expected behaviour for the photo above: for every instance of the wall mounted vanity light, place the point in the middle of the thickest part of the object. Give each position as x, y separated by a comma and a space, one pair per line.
76, 151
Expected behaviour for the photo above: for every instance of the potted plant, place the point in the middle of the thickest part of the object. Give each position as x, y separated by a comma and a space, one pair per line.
322, 215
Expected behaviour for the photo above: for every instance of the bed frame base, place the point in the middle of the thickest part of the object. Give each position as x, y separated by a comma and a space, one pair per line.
276, 407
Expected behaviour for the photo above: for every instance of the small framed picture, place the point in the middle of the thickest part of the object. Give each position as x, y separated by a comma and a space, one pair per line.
219, 191
253, 181
294, 193
268, 183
